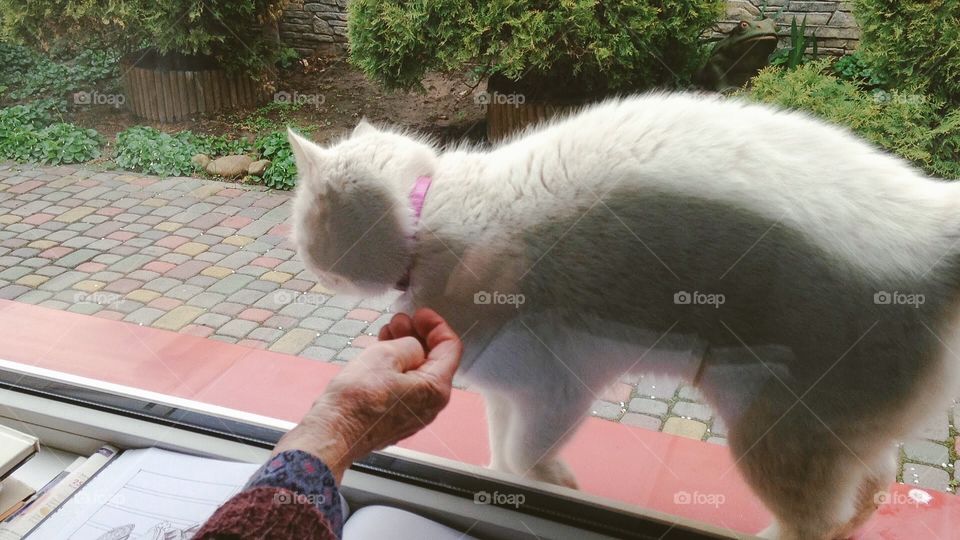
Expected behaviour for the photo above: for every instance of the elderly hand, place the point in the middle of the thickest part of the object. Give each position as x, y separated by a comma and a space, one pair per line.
387, 393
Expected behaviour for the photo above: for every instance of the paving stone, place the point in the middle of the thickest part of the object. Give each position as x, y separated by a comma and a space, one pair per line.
86, 308
142, 295
657, 388
230, 284
641, 421
34, 297
144, 315
77, 257
926, 476
685, 428
237, 328
225, 339
184, 292
606, 409
15, 273
696, 411
263, 286
648, 406
10, 292
328, 312
332, 341
217, 272
935, 426
214, 320
178, 317
343, 301
348, 328
268, 335
293, 341
63, 281
130, 263
316, 323
926, 452
318, 353
162, 284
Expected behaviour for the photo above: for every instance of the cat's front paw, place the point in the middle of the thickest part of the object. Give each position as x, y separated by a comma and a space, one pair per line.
554, 472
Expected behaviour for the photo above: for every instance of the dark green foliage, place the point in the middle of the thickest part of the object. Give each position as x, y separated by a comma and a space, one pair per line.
796, 54
624, 44
910, 125
27, 74
852, 67
914, 44
231, 31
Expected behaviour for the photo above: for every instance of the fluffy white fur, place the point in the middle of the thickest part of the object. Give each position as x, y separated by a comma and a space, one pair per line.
549, 215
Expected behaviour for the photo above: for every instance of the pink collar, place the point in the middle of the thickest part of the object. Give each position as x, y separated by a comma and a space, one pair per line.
417, 197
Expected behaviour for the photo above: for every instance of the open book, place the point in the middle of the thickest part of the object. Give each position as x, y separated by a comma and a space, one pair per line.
150, 494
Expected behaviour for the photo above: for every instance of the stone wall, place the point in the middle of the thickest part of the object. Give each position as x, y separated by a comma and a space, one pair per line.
312, 26
836, 30
315, 26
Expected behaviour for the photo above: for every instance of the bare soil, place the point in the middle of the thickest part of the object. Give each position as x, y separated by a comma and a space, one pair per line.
336, 96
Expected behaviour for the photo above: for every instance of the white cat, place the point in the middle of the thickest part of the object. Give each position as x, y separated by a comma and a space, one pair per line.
804, 281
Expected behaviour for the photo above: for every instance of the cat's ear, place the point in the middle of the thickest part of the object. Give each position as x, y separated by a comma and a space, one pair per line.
364, 127
308, 155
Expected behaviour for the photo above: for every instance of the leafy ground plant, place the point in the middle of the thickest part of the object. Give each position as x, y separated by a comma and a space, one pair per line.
28, 133
282, 173
149, 150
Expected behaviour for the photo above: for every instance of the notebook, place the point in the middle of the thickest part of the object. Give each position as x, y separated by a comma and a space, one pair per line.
149, 493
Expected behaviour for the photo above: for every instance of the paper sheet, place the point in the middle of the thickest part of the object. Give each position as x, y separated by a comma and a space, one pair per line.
150, 494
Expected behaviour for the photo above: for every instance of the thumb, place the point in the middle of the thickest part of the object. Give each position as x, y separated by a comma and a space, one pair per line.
443, 360
403, 354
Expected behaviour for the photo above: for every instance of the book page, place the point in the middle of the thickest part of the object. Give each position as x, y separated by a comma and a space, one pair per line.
149, 494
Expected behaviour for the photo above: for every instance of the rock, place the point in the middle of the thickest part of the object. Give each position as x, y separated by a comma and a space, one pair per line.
200, 160
257, 168
229, 166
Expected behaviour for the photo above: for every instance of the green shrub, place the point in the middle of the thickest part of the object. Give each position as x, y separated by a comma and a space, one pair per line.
915, 44
907, 124
27, 74
231, 31
621, 45
282, 172
27, 134
148, 150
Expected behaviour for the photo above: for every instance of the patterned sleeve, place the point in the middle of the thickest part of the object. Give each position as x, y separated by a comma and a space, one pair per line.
291, 496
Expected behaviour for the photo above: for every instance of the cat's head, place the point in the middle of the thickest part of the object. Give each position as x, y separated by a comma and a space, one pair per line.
352, 221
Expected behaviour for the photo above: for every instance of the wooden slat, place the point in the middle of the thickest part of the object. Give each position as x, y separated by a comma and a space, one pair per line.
190, 79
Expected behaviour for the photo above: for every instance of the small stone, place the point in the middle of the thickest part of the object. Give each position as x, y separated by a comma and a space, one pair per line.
641, 421
648, 406
605, 409
229, 166
926, 477
257, 168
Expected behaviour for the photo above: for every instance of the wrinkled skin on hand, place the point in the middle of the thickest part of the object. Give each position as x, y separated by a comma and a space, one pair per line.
390, 391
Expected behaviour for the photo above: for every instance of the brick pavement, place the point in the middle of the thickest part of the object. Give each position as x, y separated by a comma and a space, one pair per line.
211, 259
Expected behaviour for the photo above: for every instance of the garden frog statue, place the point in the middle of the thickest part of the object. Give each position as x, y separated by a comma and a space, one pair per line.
740, 55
